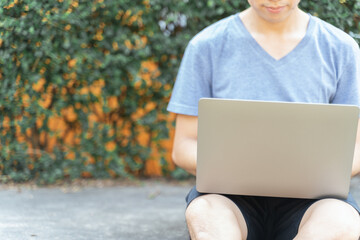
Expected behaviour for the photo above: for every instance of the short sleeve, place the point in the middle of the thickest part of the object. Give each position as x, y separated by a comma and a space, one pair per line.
193, 80
348, 86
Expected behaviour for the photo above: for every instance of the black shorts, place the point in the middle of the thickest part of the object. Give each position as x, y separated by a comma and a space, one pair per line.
270, 217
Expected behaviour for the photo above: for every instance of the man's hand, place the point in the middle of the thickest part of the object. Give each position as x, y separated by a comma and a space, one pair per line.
356, 162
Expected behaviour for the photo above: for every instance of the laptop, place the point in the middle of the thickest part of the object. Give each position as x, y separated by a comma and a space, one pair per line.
275, 149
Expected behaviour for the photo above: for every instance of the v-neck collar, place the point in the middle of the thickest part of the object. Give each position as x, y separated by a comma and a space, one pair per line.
292, 55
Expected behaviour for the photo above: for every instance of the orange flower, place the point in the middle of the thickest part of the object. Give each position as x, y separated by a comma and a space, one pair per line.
45, 100
70, 155
114, 45
67, 27
110, 146
84, 91
97, 86
113, 102
128, 44
69, 114
39, 121
148, 71
112, 173
86, 174
143, 137
72, 63
30, 166
74, 4
150, 106
42, 70
26, 100
38, 86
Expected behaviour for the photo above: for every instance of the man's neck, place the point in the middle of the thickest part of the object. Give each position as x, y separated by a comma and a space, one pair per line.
294, 23
277, 38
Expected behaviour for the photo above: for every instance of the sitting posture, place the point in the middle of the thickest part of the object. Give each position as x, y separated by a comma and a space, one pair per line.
272, 51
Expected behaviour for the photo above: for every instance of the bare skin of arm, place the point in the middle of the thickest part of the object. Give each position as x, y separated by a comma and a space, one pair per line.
356, 162
185, 143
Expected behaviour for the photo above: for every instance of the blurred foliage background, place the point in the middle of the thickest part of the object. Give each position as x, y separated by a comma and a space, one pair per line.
84, 84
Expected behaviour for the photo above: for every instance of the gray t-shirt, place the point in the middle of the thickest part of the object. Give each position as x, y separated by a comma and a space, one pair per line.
225, 61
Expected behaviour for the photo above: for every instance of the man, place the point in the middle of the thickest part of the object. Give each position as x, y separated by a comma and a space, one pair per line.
271, 51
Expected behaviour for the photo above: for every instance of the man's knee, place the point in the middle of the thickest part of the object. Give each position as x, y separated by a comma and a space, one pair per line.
331, 218
349, 230
196, 208
209, 205
201, 207
214, 216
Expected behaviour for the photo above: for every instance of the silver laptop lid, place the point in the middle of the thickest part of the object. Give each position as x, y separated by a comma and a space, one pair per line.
275, 149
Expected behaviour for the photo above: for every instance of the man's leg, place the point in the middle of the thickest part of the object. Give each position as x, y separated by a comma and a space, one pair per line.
330, 219
214, 216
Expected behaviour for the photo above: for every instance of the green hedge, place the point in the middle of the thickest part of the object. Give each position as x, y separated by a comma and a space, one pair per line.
84, 84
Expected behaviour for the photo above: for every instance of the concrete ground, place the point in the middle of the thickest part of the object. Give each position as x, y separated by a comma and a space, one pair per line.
142, 210
99, 210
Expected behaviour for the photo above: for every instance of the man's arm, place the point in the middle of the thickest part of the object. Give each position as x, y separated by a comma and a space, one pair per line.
185, 143
356, 162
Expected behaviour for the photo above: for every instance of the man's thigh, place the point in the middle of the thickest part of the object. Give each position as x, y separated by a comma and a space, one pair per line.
265, 217
270, 218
